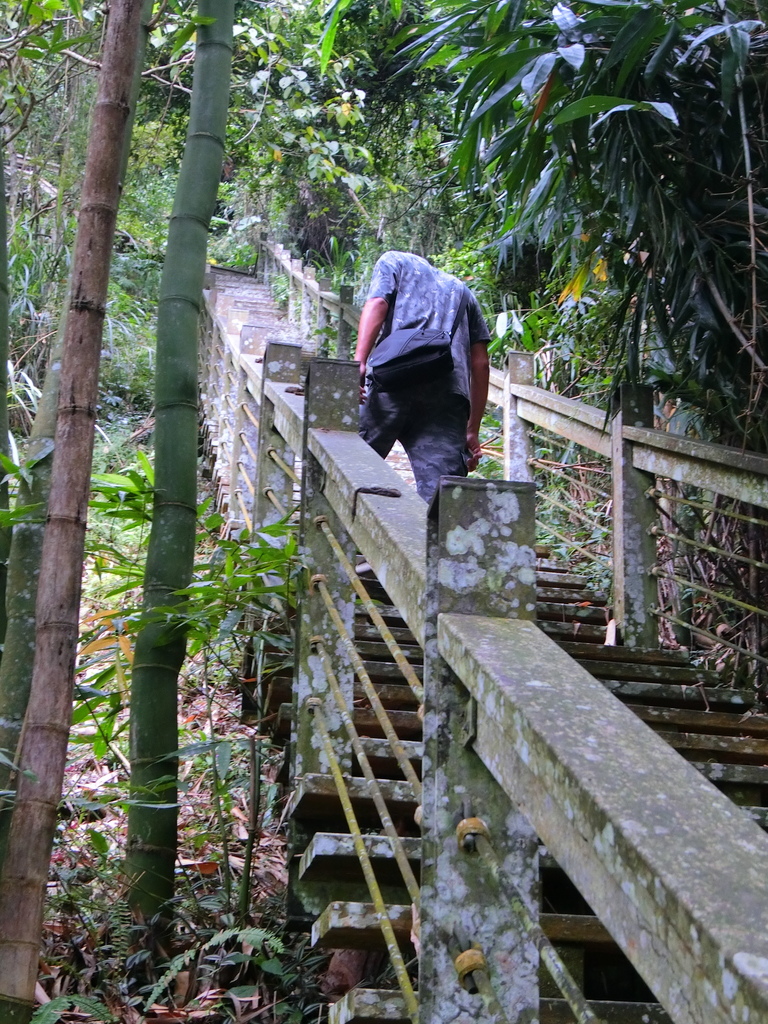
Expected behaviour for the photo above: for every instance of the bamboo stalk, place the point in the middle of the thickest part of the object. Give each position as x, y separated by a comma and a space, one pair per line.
160, 648
46, 729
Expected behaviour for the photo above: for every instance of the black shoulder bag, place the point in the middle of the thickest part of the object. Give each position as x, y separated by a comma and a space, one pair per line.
414, 356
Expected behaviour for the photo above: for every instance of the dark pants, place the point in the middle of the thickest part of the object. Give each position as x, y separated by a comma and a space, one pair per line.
429, 422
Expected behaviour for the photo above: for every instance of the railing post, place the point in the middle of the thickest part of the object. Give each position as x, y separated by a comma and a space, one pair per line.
282, 364
295, 291
306, 303
237, 502
324, 284
517, 442
480, 562
331, 403
262, 270
344, 341
634, 548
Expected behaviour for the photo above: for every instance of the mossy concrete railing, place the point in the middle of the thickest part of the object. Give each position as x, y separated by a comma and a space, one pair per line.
671, 867
638, 453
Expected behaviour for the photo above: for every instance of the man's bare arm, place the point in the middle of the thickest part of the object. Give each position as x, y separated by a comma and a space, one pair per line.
372, 317
478, 396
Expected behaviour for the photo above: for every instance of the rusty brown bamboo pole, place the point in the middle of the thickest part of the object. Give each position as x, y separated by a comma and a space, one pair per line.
46, 729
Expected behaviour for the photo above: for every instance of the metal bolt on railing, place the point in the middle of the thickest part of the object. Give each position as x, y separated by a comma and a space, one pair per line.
288, 470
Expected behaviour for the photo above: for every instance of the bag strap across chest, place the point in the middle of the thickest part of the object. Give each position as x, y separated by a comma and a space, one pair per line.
464, 302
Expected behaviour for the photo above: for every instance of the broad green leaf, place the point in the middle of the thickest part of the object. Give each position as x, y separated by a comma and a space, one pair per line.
98, 841
329, 35
244, 991
272, 967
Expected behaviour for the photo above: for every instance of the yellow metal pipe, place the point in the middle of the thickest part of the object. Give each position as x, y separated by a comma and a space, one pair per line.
370, 690
397, 846
390, 940
400, 659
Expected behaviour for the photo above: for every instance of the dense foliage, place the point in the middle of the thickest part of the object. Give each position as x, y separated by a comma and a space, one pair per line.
628, 139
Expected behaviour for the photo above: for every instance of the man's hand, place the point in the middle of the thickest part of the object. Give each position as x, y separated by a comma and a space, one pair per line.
363, 371
475, 452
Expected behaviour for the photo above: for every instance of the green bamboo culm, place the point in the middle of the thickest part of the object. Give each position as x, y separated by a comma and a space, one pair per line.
160, 646
27, 539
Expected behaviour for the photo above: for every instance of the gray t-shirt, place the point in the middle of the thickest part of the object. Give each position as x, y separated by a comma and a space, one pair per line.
419, 295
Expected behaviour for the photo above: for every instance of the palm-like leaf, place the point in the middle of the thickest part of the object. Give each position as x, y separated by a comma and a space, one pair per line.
635, 129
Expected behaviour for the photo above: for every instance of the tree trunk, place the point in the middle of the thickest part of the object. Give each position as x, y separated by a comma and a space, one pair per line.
151, 853
27, 540
46, 728
5, 532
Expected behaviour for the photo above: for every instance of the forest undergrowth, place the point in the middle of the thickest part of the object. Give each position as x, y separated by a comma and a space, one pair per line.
226, 956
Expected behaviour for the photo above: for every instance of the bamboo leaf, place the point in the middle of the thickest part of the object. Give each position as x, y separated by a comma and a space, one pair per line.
573, 54
538, 74
718, 30
564, 18
98, 645
607, 105
223, 758
664, 49
633, 34
125, 647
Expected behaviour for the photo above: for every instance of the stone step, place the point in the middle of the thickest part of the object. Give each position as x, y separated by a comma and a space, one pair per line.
567, 595
357, 926
361, 1005
380, 755
551, 611
632, 655
395, 695
557, 1011
407, 724
694, 719
589, 635
345, 925
367, 1005
687, 675
378, 649
315, 799
550, 578
679, 695
331, 856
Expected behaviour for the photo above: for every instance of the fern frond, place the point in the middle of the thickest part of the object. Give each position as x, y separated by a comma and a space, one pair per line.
51, 1013
256, 937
